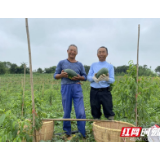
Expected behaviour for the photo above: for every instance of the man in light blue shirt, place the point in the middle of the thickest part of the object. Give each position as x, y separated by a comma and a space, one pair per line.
100, 88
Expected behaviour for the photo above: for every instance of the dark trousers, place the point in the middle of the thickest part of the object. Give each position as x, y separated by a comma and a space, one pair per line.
100, 97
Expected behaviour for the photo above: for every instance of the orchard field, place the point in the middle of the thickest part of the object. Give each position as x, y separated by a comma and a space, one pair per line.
48, 103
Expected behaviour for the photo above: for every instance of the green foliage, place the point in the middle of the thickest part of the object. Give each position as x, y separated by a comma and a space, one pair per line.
157, 69
11, 68
2, 68
86, 68
39, 70
12, 128
124, 98
48, 104
121, 70
50, 70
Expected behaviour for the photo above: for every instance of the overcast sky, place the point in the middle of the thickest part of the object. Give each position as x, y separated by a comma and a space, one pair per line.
50, 39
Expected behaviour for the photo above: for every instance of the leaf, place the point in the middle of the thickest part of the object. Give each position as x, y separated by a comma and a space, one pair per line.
8, 113
5, 138
1, 110
2, 118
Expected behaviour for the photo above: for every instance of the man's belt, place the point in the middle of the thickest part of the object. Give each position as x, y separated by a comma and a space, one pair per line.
101, 89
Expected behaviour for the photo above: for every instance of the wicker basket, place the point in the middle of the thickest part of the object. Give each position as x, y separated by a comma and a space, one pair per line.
110, 131
46, 131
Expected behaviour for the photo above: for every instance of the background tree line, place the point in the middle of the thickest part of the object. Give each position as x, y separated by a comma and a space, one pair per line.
11, 68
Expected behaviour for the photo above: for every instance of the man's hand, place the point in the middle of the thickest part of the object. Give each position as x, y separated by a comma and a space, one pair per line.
78, 77
64, 74
95, 78
103, 77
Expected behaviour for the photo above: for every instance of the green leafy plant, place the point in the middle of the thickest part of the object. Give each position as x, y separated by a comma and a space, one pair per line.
14, 127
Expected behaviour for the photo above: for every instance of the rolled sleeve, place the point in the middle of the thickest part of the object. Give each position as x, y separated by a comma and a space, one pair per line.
58, 70
111, 75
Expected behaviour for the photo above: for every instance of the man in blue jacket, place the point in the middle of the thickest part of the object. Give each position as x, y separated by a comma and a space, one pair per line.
100, 92
71, 89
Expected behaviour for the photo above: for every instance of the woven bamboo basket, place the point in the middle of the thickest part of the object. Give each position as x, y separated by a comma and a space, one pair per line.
45, 133
110, 131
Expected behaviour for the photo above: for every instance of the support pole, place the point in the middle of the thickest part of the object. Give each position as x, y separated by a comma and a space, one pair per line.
31, 81
137, 73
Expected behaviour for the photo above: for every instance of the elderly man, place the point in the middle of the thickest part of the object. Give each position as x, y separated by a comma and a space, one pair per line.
71, 89
100, 88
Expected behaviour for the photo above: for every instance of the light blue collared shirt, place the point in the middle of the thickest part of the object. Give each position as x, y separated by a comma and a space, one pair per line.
95, 67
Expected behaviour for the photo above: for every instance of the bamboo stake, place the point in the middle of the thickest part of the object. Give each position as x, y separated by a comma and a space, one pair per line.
22, 97
31, 80
137, 72
67, 119
23, 88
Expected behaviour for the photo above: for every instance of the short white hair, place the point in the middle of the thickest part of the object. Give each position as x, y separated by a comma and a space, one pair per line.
73, 46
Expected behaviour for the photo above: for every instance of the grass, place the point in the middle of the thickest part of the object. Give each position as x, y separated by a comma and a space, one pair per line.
48, 99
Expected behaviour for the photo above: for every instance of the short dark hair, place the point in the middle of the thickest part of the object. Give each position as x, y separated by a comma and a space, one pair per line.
103, 47
74, 46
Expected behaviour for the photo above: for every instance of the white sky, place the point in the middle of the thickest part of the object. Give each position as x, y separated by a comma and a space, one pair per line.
50, 38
